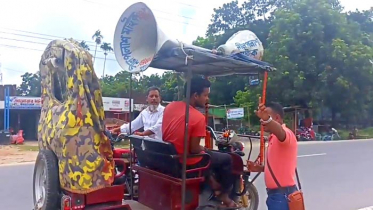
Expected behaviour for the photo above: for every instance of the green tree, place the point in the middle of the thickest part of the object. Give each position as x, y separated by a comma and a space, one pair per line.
318, 52
116, 86
249, 100
363, 18
97, 37
106, 47
84, 45
227, 20
30, 86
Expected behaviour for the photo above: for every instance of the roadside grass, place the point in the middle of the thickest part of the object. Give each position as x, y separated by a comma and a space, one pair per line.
366, 133
33, 148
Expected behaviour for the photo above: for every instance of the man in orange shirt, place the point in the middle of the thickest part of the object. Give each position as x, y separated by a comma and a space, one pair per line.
281, 161
173, 128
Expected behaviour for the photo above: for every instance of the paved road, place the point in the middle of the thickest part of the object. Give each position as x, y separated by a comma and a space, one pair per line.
335, 176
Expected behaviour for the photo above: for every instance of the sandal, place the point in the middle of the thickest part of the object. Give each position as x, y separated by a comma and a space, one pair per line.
215, 195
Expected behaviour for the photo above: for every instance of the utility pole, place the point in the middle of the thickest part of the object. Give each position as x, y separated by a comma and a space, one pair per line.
248, 116
1, 73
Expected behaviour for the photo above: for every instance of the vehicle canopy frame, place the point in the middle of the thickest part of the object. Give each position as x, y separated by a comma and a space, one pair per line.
140, 44
191, 60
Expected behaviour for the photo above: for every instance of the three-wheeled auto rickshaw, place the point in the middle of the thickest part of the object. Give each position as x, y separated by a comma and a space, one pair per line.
76, 165
165, 183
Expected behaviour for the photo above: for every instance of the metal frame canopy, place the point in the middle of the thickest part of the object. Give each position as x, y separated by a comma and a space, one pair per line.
195, 60
206, 63
139, 44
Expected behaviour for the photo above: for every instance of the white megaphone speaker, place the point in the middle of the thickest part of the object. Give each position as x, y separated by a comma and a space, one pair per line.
138, 39
245, 42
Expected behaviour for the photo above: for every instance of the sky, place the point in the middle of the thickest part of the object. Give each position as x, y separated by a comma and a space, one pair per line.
26, 27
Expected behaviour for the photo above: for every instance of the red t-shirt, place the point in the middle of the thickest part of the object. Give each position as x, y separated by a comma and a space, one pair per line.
173, 126
283, 160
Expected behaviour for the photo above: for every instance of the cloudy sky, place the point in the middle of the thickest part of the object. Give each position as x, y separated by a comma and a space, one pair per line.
26, 27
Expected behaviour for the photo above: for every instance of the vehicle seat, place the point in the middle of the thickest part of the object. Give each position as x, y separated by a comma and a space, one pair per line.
160, 156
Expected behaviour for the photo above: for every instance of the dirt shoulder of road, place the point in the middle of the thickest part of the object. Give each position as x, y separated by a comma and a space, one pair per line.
12, 154
27, 152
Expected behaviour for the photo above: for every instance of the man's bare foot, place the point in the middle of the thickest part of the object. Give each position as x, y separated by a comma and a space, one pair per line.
227, 201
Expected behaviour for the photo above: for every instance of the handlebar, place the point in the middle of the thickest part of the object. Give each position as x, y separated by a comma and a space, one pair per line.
119, 138
213, 134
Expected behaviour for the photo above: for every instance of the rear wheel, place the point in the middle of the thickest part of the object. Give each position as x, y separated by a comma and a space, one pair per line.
46, 184
249, 200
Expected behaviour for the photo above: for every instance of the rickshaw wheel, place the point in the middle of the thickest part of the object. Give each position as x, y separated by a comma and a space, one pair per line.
252, 196
46, 184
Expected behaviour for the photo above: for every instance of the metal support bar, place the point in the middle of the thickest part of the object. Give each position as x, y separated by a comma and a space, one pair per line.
187, 103
130, 132
262, 142
8, 110
5, 106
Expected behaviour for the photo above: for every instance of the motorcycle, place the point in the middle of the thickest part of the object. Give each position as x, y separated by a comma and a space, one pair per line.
305, 134
243, 192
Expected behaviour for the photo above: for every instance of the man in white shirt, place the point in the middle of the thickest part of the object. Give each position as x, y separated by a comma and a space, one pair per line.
149, 118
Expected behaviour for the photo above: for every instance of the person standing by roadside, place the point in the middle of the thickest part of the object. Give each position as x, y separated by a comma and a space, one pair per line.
281, 158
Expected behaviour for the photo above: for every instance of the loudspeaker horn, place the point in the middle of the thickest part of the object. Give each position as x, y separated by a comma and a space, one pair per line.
138, 39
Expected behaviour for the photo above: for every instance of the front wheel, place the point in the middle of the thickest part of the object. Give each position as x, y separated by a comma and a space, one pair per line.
249, 200
46, 183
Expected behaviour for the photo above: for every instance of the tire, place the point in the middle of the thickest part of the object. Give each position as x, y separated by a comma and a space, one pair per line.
253, 194
46, 171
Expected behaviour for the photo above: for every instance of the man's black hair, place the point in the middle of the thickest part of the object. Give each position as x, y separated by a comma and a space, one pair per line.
197, 85
276, 107
153, 88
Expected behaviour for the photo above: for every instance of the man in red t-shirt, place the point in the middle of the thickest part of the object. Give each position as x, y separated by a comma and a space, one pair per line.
173, 128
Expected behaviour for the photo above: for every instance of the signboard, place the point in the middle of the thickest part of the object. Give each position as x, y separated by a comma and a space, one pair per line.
235, 113
116, 104
110, 104
22, 102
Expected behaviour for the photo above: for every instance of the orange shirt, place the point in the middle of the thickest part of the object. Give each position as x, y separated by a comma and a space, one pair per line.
282, 157
173, 126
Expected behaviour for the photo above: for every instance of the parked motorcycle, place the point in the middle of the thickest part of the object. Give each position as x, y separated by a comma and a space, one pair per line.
305, 134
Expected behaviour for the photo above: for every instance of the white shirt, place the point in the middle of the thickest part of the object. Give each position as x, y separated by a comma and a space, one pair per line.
149, 120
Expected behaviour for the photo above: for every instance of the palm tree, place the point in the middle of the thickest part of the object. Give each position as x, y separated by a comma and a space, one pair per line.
106, 48
84, 45
97, 36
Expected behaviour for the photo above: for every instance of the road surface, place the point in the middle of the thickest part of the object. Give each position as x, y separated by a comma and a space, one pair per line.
334, 176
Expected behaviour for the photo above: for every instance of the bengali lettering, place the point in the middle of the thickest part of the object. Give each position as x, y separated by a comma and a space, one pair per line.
125, 44
248, 44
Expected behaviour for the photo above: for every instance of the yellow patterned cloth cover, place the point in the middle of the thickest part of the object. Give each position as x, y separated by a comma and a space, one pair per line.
72, 118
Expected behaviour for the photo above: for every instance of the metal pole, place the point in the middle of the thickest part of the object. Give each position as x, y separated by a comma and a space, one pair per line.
213, 119
248, 116
187, 103
4, 108
130, 132
226, 114
8, 107
262, 143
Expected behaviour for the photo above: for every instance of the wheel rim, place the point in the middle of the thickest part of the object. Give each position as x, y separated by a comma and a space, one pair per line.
251, 200
40, 184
